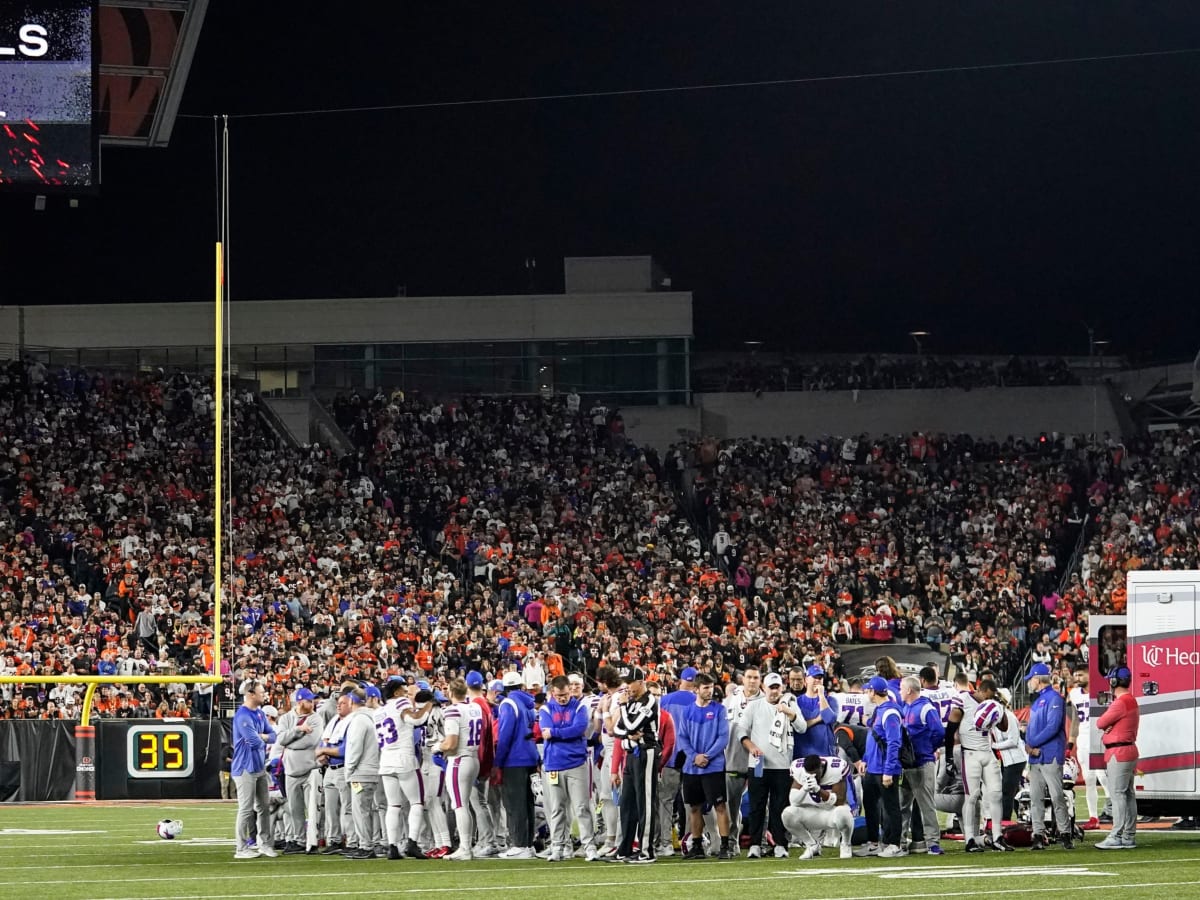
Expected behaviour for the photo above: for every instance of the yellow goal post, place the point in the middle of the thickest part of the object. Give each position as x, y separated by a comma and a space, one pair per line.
85, 733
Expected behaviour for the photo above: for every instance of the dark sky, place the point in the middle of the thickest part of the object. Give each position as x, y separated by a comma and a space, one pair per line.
998, 209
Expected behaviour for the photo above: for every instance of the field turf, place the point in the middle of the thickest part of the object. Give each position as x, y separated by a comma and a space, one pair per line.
103, 852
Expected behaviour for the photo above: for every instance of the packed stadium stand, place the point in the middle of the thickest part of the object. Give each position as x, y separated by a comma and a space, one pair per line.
481, 532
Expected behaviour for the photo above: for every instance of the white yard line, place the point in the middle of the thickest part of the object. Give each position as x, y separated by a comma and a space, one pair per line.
1054, 888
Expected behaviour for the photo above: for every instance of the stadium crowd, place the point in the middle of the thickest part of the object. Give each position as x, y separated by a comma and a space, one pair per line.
489, 534
873, 373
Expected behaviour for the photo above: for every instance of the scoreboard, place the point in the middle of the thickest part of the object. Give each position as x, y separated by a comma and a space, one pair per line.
48, 139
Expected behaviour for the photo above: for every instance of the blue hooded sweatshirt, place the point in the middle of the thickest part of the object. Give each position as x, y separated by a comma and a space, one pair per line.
566, 747
702, 729
514, 731
885, 728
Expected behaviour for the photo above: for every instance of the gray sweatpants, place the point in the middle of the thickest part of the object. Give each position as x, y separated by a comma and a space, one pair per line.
668, 787
917, 788
339, 819
572, 796
1047, 778
486, 806
254, 801
303, 803
362, 804
1124, 800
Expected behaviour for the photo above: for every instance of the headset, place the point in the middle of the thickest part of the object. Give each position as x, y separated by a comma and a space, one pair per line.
1120, 677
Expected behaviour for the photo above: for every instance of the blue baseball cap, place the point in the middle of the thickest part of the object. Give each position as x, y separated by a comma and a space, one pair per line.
439, 696
423, 686
1038, 669
878, 685
373, 691
1120, 672
304, 694
815, 672
688, 674
496, 685
474, 679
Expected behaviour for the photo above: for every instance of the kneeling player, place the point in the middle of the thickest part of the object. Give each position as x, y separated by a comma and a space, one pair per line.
817, 803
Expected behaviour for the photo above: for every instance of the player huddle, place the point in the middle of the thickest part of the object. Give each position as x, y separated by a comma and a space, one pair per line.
521, 770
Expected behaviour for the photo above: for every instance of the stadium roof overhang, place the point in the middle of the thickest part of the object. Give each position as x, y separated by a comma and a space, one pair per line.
146, 50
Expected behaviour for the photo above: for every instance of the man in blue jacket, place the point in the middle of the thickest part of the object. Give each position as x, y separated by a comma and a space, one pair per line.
676, 703
701, 735
566, 770
251, 734
881, 782
1046, 744
820, 712
924, 725
517, 760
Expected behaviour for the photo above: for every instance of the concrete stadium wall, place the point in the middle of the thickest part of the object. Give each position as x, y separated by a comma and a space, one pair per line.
357, 321
660, 426
1024, 411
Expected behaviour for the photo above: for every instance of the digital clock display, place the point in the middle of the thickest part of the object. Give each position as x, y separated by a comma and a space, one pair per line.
160, 751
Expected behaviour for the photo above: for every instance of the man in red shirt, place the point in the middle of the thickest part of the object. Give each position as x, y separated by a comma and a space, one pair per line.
1119, 727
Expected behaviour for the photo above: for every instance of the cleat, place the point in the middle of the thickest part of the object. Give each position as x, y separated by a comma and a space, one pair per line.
973, 846
935, 850
812, 851
412, 851
393, 852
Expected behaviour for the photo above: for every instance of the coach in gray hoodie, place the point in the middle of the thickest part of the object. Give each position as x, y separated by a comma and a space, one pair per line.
298, 732
362, 773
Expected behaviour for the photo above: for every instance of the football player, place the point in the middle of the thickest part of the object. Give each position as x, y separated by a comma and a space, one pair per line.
973, 721
464, 733
818, 802
1081, 737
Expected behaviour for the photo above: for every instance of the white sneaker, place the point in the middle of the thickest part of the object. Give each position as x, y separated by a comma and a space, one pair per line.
847, 852
755, 852
545, 853
811, 851
268, 851
891, 851
462, 854
781, 851
608, 850
867, 850
590, 853
485, 851
246, 854
519, 853
665, 851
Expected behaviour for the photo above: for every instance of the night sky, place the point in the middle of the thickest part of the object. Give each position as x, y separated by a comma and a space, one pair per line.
998, 209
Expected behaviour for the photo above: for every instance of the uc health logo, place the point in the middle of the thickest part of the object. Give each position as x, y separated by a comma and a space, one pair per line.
1152, 655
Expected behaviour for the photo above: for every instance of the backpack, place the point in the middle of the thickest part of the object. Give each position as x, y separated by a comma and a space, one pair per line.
908, 753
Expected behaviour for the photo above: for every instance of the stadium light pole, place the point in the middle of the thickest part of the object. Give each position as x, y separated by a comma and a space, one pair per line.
916, 336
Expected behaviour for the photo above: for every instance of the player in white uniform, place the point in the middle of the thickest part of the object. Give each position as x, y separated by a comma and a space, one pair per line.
737, 762
941, 694
1081, 735
854, 707
399, 768
818, 802
982, 780
605, 710
464, 730
433, 732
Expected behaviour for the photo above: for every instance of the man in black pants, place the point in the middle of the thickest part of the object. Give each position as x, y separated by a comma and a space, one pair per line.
635, 730
766, 730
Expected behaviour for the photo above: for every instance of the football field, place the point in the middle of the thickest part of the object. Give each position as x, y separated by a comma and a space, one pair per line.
101, 852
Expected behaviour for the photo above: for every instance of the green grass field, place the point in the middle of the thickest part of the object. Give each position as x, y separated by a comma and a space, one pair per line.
64, 852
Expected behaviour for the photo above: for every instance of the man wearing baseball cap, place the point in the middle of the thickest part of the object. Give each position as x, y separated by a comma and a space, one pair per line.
299, 732
676, 705
766, 732
1046, 744
517, 759
820, 715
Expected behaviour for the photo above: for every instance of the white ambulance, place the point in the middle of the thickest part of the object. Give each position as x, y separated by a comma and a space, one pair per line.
1158, 639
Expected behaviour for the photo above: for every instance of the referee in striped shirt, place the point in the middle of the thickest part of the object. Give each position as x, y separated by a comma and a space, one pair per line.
635, 730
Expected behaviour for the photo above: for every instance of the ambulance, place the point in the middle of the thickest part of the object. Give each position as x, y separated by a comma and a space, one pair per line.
1157, 639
